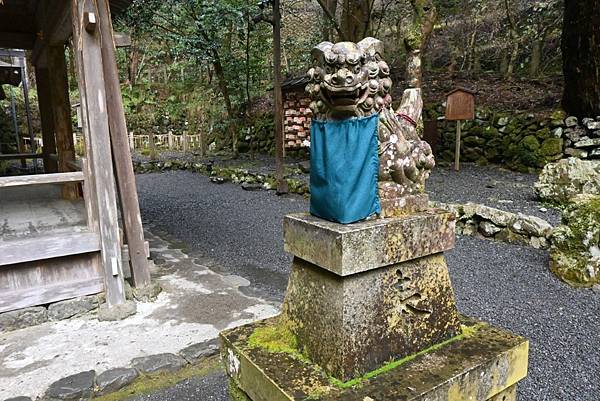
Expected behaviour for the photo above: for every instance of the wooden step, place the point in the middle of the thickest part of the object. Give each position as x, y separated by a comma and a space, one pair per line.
37, 179
44, 247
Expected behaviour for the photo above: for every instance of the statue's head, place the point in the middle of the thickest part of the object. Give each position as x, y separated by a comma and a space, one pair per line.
349, 79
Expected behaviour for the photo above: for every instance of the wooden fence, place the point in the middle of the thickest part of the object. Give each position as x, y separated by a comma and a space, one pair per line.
183, 142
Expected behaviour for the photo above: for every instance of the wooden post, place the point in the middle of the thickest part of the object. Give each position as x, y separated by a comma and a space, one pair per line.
131, 142
13, 108
100, 177
185, 142
25, 85
457, 150
170, 139
130, 209
47, 119
152, 145
59, 88
282, 186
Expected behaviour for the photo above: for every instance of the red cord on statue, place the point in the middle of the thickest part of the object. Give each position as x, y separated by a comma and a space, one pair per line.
407, 119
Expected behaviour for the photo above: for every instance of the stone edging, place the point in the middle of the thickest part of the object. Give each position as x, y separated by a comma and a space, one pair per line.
249, 180
88, 385
77, 307
488, 222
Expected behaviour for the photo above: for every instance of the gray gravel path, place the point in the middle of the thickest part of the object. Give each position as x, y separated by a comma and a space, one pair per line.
232, 229
491, 186
225, 227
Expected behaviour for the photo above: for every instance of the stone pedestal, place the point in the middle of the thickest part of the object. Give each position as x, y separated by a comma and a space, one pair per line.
380, 292
369, 315
484, 364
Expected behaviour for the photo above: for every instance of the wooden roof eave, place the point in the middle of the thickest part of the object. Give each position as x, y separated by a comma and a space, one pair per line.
35, 24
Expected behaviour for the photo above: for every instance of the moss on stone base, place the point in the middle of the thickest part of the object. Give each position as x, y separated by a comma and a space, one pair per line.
278, 338
467, 331
575, 251
485, 364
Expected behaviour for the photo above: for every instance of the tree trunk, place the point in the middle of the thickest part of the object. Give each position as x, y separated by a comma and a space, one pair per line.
282, 186
328, 32
222, 82
515, 39
536, 57
513, 59
356, 18
581, 58
424, 17
503, 61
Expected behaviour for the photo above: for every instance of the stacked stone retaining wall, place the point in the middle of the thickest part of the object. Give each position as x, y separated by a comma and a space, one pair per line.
523, 142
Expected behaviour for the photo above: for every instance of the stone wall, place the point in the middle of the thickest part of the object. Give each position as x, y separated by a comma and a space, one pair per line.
523, 141
582, 140
296, 122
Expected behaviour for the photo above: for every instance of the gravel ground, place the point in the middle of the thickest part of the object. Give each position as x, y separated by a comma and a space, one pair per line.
225, 227
491, 186
208, 388
239, 231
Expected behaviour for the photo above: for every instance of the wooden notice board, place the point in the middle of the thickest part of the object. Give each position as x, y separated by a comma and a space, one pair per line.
460, 105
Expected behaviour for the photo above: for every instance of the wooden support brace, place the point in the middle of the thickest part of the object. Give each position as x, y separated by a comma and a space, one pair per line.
100, 180
130, 209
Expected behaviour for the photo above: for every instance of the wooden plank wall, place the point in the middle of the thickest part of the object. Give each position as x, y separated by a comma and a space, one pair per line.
45, 281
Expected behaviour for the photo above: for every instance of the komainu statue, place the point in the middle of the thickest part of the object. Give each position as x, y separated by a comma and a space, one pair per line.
352, 80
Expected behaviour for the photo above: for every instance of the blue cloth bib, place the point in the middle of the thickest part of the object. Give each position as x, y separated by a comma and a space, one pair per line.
344, 165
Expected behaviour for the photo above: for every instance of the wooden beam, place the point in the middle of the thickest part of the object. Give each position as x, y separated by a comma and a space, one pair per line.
12, 53
59, 27
88, 56
61, 107
55, 30
54, 246
47, 119
38, 179
17, 40
15, 156
130, 209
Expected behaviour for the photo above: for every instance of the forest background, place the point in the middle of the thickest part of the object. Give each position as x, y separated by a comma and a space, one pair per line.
207, 65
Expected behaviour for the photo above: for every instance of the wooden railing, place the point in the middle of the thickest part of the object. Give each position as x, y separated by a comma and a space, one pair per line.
38, 179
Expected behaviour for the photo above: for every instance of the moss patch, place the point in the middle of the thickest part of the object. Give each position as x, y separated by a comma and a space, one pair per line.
148, 383
466, 332
575, 242
277, 338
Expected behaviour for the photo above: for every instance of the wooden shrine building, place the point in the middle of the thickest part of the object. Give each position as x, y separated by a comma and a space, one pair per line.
57, 256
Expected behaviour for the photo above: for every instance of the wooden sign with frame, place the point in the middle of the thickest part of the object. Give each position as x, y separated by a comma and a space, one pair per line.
460, 105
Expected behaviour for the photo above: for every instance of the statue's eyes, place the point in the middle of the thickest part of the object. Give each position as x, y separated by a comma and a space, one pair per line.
356, 69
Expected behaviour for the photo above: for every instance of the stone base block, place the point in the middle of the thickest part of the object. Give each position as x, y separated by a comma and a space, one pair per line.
483, 363
346, 249
351, 325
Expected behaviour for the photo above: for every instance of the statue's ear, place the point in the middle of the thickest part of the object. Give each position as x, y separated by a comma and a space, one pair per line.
371, 46
318, 52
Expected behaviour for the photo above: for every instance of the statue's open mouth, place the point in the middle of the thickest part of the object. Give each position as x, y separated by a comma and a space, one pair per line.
343, 96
